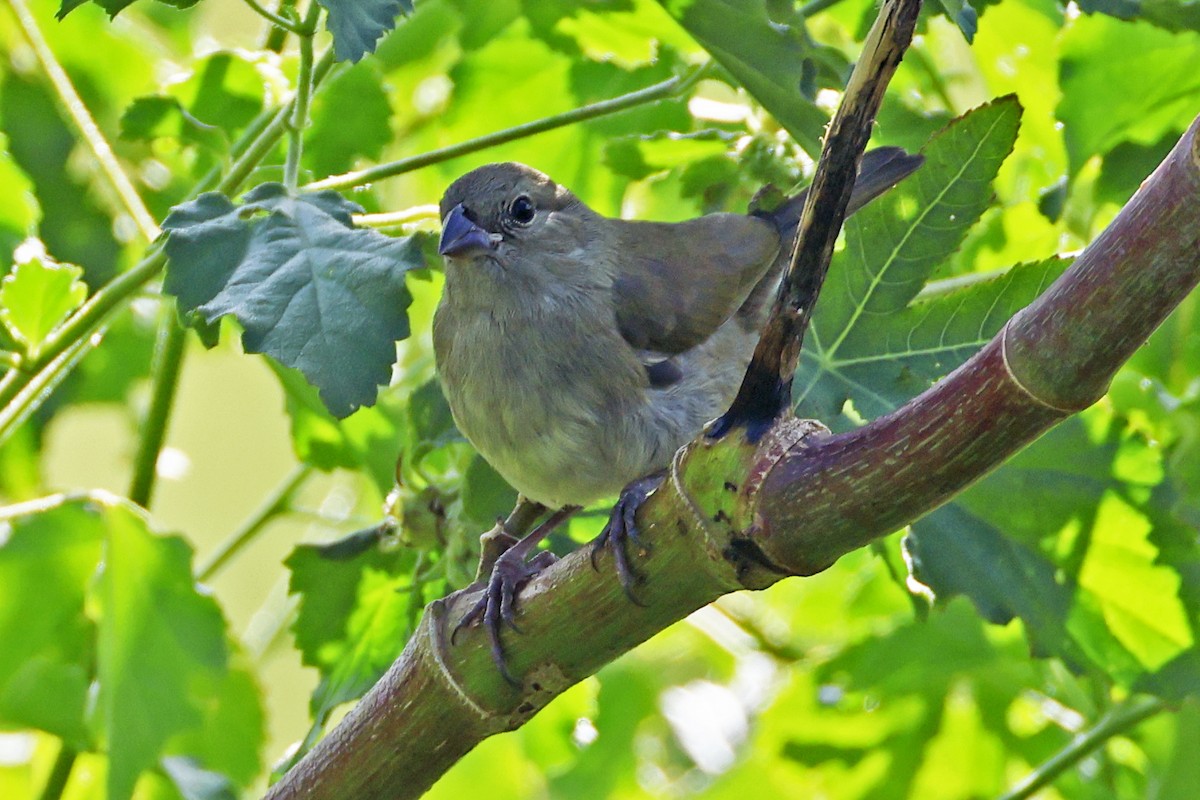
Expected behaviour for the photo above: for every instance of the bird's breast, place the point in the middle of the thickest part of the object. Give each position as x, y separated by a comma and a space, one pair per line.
544, 400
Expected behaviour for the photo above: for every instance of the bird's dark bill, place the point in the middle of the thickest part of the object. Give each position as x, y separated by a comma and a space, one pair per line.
460, 234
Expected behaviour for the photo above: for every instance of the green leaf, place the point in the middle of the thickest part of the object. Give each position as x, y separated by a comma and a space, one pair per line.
47, 561
369, 439
355, 615
114, 7
870, 343
309, 288
1066, 555
351, 119
196, 783
956, 553
38, 295
771, 60
161, 116
159, 641
357, 25
123, 651
964, 16
74, 226
1124, 82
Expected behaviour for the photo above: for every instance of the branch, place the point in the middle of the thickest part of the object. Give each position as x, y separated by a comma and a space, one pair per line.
766, 390
736, 516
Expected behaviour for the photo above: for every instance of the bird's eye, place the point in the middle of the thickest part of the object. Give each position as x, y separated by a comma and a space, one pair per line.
522, 210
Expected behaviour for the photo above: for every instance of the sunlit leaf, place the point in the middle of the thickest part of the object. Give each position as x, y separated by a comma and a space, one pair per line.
870, 343
1124, 82
38, 295
309, 288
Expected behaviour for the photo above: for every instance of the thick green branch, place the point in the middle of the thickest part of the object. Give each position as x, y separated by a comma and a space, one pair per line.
734, 516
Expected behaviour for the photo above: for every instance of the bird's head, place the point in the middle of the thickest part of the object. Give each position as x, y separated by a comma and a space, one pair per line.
509, 226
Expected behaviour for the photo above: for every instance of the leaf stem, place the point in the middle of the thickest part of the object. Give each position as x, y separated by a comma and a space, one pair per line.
1115, 722
82, 118
669, 88
277, 503
168, 360
299, 117
60, 773
275, 19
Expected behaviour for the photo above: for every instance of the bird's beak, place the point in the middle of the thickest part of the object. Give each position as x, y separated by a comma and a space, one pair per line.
460, 234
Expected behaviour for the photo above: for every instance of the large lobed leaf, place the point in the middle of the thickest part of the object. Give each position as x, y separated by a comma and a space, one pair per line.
309, 288
872, 342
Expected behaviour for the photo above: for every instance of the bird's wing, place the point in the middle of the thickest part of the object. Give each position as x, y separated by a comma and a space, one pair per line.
677, 282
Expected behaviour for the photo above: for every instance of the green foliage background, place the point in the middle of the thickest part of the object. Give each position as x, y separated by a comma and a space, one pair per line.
147, 657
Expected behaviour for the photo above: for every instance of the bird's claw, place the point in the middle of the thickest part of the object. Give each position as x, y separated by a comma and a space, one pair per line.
496, 605
621, 530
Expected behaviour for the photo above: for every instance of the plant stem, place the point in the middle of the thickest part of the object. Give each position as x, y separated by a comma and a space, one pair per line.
659, 91
60, 773
299, 117
168, 360
273, 18
277, 503
88, 130
1119, 720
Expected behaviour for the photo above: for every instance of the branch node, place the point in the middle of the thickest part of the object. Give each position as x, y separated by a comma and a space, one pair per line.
1026, 387
436, 617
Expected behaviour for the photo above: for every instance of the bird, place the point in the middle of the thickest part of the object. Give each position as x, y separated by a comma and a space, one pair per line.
578, 352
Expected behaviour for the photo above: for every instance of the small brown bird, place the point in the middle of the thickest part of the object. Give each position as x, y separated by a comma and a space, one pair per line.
579, 352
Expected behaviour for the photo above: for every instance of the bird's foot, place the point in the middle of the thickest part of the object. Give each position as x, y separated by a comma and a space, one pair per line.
512, 569
621, 531
495, 608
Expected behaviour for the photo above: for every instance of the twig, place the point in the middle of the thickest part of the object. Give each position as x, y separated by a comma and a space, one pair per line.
88, 130
277, 503
767, 387
659, 91
1114, 723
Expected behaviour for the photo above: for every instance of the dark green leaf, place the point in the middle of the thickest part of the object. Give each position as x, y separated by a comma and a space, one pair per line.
771, 60
963, 15
357, 25
351, 119
74, 227
114, 7
954, 553
485, 494
309, 288
869, 342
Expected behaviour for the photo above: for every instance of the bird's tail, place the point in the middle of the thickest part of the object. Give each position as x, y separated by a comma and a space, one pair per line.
880, 170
